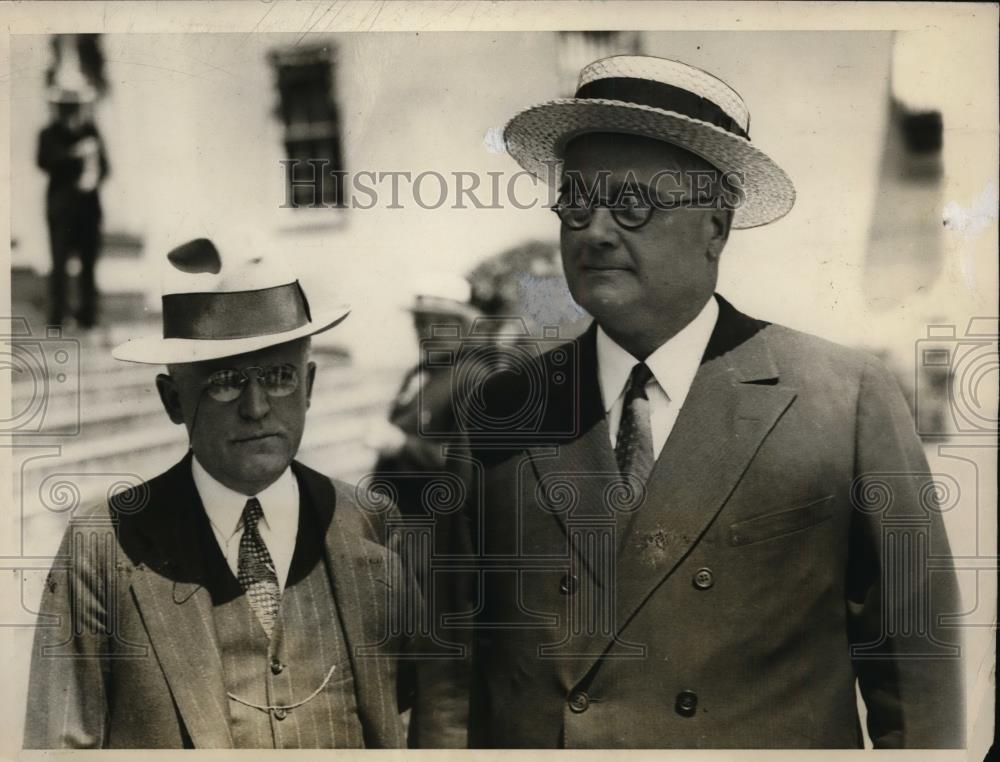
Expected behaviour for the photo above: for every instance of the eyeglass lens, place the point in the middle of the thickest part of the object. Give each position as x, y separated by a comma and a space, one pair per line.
277, 381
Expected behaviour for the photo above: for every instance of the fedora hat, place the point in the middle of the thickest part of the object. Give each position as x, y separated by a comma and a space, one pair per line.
662, 99
222, 301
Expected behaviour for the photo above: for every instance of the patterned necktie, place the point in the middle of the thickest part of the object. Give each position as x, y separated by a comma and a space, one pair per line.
256, 569
634, 447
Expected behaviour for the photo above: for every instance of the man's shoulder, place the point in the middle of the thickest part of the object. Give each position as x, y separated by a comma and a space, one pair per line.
807, 360
127, 502
791, 345
357, 509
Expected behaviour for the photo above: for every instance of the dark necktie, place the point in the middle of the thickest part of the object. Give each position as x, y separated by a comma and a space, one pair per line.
634, 447
255, 569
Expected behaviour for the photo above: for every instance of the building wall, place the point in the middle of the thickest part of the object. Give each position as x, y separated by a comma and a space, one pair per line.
194, 140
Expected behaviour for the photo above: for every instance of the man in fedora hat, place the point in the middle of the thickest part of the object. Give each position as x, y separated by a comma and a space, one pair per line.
687, 547
239, 598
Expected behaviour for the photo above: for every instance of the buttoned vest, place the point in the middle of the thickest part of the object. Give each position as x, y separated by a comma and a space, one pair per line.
295, 690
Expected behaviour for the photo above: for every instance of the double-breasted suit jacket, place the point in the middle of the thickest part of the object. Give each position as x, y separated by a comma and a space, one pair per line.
127, 652
777, 555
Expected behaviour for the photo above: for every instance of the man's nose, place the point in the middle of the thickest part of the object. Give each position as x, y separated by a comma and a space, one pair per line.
254, 402
603, 231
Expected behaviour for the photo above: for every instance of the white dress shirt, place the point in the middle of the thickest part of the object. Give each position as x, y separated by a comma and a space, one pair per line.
673, 364
278, 526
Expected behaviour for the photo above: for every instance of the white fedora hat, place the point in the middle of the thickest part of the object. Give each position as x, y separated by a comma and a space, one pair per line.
220, 301
662, 99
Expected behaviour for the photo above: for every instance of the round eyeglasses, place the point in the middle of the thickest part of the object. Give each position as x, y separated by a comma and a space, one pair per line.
277, 381
630, 212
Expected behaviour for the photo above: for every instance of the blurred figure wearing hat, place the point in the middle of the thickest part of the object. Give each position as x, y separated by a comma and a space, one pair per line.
410, 466
440, 308
711, 485
72, 153
237, 600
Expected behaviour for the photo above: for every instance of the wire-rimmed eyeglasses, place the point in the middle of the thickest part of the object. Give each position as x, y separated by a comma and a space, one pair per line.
277, 381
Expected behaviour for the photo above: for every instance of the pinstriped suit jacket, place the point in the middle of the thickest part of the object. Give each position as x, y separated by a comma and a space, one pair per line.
125, 653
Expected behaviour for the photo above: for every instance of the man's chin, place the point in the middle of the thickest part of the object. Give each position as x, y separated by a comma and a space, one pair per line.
605, 303
254, 467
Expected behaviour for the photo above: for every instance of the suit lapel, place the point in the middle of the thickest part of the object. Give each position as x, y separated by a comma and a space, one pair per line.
357, 575
584, 465
169, 587
727, 415
735, 400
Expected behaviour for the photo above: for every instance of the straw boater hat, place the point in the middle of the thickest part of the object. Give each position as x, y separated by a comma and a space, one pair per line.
662, 99
220, 301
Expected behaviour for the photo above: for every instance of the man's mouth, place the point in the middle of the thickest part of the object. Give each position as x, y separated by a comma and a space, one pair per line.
605, 268
254, 438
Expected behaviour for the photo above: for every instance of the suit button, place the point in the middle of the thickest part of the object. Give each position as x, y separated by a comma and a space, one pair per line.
568, 584
280, 714
687, 703
277, 667
703, 578
579, 702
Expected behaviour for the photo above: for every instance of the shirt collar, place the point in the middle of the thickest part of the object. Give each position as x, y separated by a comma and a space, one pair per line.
224, 506
674, 363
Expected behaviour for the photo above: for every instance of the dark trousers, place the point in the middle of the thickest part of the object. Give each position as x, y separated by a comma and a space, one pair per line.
74, 232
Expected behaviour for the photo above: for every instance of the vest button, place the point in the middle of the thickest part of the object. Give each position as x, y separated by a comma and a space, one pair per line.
579, 702
703, 578
280, 714
277, 667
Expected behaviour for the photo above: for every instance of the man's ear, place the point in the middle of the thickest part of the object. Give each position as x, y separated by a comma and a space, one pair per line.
310, 378
720, 221
170, 397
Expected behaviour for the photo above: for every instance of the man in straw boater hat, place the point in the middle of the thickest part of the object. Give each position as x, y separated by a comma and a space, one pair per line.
239, 598
706, 519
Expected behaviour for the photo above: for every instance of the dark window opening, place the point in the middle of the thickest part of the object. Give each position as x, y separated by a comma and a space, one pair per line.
308, 109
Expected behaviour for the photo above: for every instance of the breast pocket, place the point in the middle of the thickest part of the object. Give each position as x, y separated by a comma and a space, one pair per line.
780, 523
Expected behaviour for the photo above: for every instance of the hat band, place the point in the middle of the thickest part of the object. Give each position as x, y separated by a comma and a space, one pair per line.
235, 314
646, 92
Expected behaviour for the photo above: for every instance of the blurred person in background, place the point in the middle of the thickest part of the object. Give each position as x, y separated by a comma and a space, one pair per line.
72, 153
414, 469
441, 311
727, 507
239, 599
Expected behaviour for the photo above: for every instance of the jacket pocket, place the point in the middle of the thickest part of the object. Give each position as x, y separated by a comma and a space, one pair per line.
772, 525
